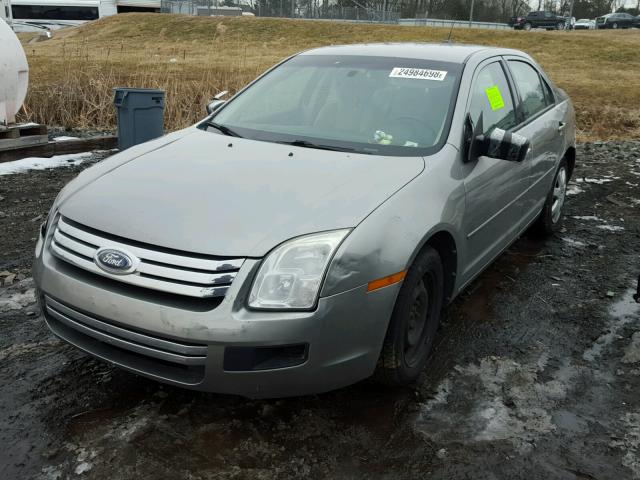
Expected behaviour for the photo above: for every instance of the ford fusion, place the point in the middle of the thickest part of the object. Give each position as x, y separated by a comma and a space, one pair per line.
308, 233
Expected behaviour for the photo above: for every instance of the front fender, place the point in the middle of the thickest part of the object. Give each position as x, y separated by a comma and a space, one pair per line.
388, 240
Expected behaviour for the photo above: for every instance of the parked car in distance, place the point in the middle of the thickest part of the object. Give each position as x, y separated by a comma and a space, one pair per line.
585, 24
308, 233
616, 20
541, 19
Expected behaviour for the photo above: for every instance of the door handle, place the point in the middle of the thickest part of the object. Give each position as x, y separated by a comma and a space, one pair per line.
561, 126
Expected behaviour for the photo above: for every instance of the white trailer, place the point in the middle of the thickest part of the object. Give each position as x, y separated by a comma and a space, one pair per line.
14, 75
52, 14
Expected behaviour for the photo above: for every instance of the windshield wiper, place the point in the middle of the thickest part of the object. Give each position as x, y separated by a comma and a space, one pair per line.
224, 129
308, 144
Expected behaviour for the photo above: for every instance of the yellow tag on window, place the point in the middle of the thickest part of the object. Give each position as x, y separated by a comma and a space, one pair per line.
495, 97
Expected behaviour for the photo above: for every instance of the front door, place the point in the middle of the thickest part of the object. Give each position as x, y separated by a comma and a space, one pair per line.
494, 188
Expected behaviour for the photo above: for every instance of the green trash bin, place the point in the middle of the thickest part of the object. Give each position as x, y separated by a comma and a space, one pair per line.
140, 115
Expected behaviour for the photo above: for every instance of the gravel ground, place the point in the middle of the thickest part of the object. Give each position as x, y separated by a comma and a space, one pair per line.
535, 375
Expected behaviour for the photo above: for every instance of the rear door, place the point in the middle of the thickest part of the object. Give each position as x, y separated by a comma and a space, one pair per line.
542, 122
494, 188
628, 20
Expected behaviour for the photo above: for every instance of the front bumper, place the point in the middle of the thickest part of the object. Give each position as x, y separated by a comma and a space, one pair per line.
186, 345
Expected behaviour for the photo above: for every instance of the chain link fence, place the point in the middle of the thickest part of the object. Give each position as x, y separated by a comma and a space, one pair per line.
283, 9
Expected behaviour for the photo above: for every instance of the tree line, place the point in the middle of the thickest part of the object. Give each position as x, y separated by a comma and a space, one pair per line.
483, 10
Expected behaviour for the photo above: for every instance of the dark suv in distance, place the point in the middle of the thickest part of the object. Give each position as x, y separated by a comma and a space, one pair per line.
541, 19
616, 20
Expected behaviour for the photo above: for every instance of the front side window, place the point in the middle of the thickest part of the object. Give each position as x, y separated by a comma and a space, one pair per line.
366, 104
491, 97
534, 94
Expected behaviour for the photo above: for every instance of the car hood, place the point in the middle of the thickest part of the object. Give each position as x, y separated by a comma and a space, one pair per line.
207, 193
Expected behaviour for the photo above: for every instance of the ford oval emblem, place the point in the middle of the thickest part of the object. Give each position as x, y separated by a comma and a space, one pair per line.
115, 261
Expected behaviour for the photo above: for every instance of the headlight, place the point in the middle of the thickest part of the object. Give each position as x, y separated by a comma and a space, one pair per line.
290, 277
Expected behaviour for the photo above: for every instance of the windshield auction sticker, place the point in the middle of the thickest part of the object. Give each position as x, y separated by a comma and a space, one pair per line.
419, 73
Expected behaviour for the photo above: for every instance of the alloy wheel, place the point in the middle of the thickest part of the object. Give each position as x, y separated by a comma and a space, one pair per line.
559, 194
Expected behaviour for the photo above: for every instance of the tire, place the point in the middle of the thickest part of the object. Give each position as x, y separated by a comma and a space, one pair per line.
560, 26
414, 322
614, 25
550, 219
527, 26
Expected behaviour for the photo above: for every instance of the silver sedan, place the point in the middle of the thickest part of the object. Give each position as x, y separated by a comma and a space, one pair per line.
309, 232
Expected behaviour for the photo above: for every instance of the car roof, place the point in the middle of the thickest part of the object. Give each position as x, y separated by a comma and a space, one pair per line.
444, 52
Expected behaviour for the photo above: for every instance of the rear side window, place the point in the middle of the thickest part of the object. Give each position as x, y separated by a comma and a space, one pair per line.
534, 92
491, 96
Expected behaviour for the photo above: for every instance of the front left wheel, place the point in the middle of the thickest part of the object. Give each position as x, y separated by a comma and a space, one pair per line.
414, 321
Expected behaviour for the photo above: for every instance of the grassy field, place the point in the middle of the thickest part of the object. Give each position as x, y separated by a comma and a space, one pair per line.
192, 58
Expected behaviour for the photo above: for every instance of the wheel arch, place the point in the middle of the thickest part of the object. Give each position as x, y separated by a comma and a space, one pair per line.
444, 243
570, 157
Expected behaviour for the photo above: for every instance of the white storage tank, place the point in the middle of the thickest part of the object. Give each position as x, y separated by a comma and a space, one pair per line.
14, 74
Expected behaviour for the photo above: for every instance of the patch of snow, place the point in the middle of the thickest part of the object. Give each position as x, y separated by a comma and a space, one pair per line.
37, 163
64, 139
611, 228
598, 181
83, 467
51, 472
573, 243
586, 217
574, 190
624, 311
17, 301
510, 402
632, 352
630, 443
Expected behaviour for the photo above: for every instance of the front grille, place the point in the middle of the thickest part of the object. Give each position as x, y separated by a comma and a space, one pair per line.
159, 269
150, 354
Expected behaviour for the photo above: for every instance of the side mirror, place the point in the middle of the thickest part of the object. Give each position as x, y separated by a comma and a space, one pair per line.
472, 131
214, 105
503, 145
217, 102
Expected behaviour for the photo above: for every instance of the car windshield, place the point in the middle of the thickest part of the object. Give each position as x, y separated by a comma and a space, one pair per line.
365, 104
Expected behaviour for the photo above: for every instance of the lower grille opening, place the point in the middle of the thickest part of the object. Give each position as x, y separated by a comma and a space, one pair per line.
243, 359
161, 369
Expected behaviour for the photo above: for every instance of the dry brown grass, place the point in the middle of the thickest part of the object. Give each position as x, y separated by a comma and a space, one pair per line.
73, 74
